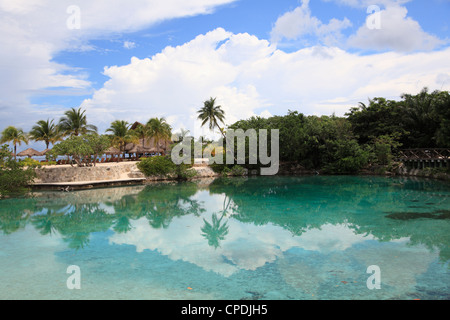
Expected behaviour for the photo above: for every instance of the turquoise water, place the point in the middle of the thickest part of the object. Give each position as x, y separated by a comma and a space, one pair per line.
278, 238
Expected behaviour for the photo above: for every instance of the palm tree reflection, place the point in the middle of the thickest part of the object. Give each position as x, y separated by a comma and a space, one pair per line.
215, 232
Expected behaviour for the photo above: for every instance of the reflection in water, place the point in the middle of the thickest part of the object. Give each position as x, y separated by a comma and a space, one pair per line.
291, 237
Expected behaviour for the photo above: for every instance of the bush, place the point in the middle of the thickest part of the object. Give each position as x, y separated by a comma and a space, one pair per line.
163, 166
157, 166
14, 178
28, 162
237, 171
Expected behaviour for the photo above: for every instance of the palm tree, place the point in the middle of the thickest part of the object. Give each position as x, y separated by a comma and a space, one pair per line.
141, 132
15, 135
45, 131
75, 123
181, 135
421, 118
212, 114
121, 134
159, 129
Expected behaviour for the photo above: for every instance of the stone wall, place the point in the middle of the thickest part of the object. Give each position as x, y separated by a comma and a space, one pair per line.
101, 172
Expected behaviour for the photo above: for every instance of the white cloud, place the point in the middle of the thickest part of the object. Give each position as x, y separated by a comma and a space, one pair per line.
397, 32
299, 22
250, 77
33, 32
183, 240
367, 3
129, 45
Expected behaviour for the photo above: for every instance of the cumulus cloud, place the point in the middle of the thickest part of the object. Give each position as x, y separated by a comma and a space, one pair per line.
396, 31
33, 32
250, 77
266, 243
299, 22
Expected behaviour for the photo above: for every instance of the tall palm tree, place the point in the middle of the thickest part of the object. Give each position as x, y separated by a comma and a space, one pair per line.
213, 114
75, 123
121, 134
181, 135
14, 135
45, 131
160, 130
141, 132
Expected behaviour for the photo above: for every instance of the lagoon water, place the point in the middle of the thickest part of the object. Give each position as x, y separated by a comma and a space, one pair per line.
278, 238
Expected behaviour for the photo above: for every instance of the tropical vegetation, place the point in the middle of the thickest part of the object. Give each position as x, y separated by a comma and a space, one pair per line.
14, 135
368, 135
14, 177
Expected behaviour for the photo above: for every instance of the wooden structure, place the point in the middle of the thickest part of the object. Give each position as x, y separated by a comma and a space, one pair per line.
423, 158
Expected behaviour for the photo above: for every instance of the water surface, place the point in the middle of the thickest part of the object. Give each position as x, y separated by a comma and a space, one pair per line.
242, 238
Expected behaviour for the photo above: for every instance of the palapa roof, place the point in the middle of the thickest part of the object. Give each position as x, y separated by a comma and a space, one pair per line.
112, 150
43, 153
145, 146
30, 152
140, 149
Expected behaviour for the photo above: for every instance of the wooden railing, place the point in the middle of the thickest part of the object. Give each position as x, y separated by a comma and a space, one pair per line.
424, 154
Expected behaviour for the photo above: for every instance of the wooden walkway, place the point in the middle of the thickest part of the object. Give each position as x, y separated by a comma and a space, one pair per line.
423, 158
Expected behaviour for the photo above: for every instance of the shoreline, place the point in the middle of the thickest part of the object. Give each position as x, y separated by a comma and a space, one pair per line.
68, 178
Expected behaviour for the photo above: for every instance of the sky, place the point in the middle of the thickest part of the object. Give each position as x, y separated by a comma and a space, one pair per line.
137, 59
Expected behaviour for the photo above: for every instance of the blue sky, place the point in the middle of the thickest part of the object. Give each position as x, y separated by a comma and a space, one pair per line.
137, 59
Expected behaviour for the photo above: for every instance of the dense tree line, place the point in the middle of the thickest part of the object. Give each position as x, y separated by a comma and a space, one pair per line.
368, 134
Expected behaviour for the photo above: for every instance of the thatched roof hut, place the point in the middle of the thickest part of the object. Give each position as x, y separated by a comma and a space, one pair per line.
30, 152
146, 146
43, 153
112, 150
139, 150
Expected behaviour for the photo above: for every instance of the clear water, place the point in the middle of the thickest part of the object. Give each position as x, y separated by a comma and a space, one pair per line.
275, 238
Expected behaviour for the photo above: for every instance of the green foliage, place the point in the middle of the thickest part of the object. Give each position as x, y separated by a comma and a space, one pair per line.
315, 142
159, 130
14, 178
45, 131
98, 144
381, 118
163, 166
121, 134
383, 147
212, 114
14, 135
29, 162
237, 170
157, 166
82, 148
75, 123
418, 121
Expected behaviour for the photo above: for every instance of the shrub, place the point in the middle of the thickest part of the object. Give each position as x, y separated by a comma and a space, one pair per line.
28, 162
237, 171
157, 166
14, 178
163, 166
